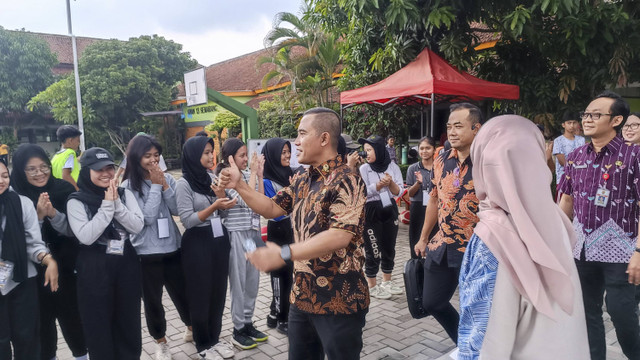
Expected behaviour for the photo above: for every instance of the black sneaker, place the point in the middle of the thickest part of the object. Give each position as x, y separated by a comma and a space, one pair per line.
283, 327
254, 333
242, 341
272, 321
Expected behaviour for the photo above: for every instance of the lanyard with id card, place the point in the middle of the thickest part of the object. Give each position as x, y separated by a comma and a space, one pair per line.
116, 246
216, 226
385, 199
602, 195
255, 221
163, 227
385, 196
425, 197
6, 270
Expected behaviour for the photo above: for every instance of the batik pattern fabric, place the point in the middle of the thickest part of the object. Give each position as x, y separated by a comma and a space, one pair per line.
329, 196
606, 233
452, 184
477, 283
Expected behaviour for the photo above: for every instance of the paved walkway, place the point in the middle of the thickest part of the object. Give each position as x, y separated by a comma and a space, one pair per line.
390, 332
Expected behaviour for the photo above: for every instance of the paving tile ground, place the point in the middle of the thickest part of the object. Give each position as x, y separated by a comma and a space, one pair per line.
390, 332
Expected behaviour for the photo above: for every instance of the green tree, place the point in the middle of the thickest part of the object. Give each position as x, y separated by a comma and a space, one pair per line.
119, 80
226, 120
560, 52
25, 70
305, 55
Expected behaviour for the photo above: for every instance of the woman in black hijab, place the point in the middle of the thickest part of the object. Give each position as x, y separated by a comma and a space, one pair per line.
22, 249
384, 182
31, 177
104, 217
205, 247
277, 172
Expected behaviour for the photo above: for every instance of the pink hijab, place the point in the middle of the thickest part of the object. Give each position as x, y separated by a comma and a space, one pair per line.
519, 221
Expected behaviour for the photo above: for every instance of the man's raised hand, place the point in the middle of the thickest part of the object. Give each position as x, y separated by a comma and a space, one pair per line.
229, 176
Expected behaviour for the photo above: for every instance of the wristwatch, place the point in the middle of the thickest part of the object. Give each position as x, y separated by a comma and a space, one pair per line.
638, 250
285, 253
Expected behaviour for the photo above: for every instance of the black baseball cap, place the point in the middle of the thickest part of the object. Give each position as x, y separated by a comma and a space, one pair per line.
96, 158
349, 143
371, 140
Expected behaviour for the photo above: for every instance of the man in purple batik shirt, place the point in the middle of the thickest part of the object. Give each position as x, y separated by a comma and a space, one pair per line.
601, 193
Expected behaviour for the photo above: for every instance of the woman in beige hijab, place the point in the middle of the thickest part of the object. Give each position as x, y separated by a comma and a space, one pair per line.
520, 295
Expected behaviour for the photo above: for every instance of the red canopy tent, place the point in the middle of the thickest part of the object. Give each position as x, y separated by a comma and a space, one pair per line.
427, 80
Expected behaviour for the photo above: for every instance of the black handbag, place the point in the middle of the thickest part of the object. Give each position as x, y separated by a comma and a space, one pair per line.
413, 284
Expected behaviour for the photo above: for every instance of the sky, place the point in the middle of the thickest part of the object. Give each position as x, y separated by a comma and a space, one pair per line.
211, 30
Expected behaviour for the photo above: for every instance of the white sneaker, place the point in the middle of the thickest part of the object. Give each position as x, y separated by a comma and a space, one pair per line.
224, 349
210, 355
379, 292
188, 335
162, 351
391, 287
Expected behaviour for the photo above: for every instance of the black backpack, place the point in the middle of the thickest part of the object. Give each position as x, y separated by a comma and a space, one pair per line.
413, 284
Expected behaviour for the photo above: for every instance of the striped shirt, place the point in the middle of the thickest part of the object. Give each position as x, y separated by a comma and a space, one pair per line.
606, 233
239, 217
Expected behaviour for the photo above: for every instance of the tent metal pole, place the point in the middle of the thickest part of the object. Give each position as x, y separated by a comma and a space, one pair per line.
340, 118
433, 100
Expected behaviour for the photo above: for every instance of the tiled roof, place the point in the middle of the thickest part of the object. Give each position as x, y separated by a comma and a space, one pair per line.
241, 73
61, 45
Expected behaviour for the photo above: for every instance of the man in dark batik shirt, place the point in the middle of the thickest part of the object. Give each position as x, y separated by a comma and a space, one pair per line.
601, 193
452, 207
329, 297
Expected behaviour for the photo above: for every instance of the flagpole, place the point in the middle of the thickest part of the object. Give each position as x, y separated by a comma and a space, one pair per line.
77, 77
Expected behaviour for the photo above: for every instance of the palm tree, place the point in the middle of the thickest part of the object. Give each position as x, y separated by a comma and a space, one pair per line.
304, 54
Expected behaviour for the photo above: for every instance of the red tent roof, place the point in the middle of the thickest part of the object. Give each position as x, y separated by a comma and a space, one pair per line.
429, 74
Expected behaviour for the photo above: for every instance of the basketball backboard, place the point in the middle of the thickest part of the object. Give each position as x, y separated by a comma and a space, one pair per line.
195, 87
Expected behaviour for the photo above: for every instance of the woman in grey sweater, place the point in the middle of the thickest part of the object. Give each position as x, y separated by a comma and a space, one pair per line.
21, 249
104, 217
158, 244
243, 226
205, 248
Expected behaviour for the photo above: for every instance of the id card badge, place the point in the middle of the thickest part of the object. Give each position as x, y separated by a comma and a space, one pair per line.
602, 197
163, 228
255, 221
216, 226
386, 200
6, 271
425, 197
116, 246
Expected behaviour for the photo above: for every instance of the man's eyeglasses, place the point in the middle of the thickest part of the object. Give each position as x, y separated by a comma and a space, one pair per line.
593, 116
33, 171
631, 126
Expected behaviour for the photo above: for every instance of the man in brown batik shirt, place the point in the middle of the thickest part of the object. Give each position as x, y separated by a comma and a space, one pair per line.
329, 297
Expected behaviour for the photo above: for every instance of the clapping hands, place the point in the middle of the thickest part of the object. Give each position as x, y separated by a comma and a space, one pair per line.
44, 207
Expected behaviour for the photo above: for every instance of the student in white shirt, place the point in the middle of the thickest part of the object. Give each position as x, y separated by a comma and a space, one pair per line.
384, 182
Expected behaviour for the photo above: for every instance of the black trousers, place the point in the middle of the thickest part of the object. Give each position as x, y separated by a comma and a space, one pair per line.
19, 322
158, 271
311, 337
416, 221
596, 278
440, 282
109, 294
205, 261
61, 305
281, 233
380, 232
